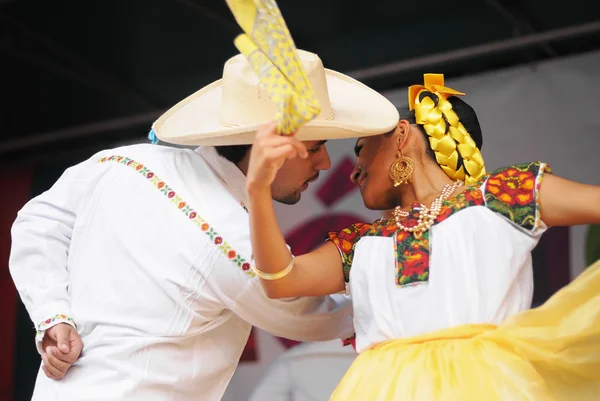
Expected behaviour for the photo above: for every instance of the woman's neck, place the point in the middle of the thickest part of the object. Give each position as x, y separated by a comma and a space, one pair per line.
428, 179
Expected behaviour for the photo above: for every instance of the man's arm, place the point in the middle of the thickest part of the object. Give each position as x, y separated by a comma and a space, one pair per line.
41, 237
303, 318
300, 318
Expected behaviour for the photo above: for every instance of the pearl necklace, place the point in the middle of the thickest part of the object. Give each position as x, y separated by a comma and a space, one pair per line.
427, 216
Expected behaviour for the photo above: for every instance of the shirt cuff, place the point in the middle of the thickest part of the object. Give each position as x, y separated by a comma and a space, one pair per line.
46, 324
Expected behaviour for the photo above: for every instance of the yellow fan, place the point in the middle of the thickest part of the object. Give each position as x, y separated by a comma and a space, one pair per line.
271, 52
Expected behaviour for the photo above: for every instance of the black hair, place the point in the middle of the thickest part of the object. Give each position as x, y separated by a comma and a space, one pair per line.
233, 153
466, 114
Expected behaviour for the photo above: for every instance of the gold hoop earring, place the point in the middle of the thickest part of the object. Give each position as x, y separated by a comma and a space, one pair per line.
401, 170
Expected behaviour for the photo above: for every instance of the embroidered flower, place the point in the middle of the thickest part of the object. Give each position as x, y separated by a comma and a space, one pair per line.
383, 228
218, 240
193, 215
512, 192
204, 227
246, 266
181, 205
416, 261
345, 246
139, 167
171, 194
150, 175
160, 185
231, 254
474, 195
512, 186
445, 212
402, 236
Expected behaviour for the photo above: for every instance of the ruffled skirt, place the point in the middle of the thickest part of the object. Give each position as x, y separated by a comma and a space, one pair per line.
551, 353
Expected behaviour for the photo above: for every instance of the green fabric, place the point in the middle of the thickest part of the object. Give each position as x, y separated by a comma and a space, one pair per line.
592, 244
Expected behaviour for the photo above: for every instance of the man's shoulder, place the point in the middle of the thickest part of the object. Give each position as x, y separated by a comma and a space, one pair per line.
146, 150
152, 157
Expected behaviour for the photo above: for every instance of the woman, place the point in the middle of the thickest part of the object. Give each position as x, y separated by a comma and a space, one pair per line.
441, 292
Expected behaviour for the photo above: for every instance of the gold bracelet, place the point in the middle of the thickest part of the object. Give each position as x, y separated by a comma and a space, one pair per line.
272, 276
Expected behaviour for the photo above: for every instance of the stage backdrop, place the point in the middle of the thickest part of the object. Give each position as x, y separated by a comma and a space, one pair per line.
545, 112
541, 112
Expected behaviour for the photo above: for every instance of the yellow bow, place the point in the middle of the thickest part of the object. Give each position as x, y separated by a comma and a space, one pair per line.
448, 138
433, 83
270, 50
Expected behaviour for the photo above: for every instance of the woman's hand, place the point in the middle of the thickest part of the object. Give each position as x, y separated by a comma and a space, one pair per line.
269, 152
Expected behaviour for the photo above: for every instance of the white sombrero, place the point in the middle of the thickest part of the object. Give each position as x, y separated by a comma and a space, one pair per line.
230, 110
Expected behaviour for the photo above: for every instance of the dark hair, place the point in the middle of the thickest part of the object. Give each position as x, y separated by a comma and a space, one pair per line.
233, 153
466, 115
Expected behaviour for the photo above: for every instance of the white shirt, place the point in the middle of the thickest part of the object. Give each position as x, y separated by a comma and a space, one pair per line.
473, 266
306, 372
164, 313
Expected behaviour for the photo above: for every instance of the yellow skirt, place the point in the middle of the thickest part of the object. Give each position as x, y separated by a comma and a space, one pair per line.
551, 353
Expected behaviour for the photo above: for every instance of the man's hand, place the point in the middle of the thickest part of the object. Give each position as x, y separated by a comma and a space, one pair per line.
269, 151
62, 347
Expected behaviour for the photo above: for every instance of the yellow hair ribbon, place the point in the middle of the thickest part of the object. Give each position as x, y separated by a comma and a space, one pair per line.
448, 137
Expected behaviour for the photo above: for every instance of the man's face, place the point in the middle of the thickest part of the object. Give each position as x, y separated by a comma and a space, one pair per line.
294, 176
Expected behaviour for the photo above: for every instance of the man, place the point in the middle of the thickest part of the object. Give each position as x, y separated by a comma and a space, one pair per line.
145, 250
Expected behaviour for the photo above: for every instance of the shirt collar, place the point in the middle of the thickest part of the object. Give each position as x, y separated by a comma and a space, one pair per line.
231, 176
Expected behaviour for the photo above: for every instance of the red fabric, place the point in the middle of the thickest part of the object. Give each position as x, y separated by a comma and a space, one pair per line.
250, 353
17, 185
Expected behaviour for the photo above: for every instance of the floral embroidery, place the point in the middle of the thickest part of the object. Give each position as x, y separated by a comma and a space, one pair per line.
470, 197
186, 209
513, 193
346, 241
60, 318
53, 321
412, 255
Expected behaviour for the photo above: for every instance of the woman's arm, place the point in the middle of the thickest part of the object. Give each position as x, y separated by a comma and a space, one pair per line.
568, 203
316, 273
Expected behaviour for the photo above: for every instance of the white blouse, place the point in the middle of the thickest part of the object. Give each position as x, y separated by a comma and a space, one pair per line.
473, 266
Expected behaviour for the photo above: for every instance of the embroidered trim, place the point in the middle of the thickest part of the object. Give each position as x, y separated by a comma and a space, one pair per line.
513, 192
48, 323
543, 168
54, 320
186, 209
346, 241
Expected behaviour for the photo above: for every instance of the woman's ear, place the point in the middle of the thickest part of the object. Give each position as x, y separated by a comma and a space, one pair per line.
402, 133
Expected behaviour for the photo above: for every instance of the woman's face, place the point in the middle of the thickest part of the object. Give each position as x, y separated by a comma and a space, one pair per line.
374, 156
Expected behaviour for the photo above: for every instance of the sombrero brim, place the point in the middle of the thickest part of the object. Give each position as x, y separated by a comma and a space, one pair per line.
358, 111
